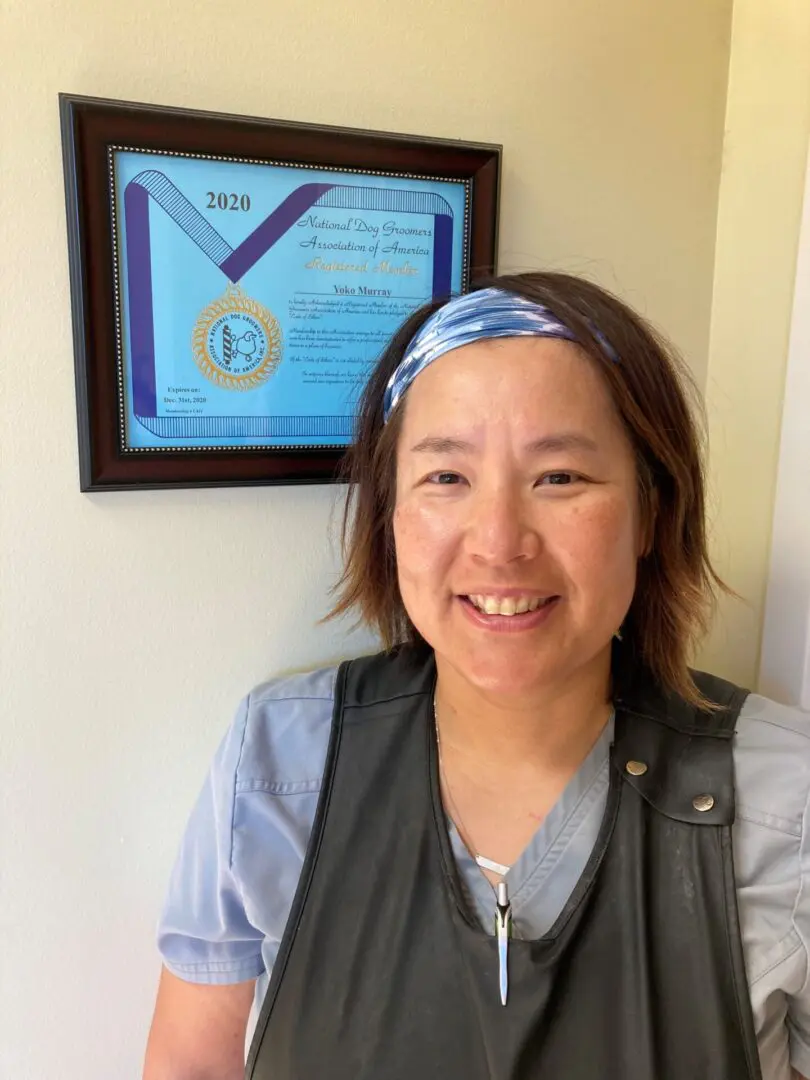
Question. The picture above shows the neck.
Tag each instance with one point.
(551, 730)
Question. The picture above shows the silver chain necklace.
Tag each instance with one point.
(481, 860)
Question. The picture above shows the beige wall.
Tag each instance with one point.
(767, 126)
(133, 622)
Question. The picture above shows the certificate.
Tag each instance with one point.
(253, 298)
(234, 280)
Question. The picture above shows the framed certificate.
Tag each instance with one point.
(234, 280)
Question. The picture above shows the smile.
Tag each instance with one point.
(508, 605)
(519, 613)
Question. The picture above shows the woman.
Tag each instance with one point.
(515, 845)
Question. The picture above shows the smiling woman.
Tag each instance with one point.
(526, 840)
(542, 506)
(618, 382)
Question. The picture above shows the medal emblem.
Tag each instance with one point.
(237, 342)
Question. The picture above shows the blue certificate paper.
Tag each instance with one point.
(253, 298)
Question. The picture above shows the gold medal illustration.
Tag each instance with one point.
(236, 341)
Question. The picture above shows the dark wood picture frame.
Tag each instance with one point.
(90, 126)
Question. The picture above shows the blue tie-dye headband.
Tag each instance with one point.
(475, 316)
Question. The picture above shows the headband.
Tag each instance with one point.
(475, 316)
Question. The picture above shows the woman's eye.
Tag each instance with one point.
(559, 478)
(444, 478)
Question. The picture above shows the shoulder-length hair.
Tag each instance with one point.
(658, 404)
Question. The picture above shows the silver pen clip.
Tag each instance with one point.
(503, 931)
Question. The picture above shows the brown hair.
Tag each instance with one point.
(657, 401)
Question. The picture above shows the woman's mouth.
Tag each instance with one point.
(508, 605)
(507, 613)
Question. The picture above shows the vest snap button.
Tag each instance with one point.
(703, 802)
(636, 768)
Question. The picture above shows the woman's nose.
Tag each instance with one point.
(501, 528)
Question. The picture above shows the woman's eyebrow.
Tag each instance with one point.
(438, 444)
(565, 440)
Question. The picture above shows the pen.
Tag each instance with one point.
(503, 930)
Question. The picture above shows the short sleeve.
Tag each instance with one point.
(798, 1003)
(204, 934)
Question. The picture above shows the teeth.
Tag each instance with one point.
(508, 605)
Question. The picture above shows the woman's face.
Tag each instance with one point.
(516, 490)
